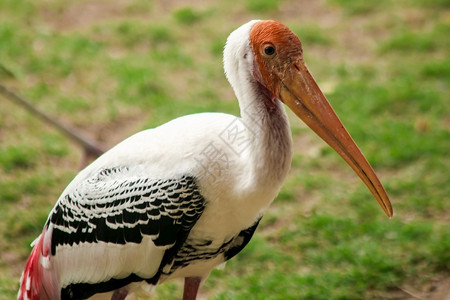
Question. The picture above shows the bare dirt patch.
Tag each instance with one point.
(82, 14)
(436, 290)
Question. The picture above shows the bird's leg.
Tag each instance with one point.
(191, 285)
(120, 294)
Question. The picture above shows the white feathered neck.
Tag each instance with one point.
(272, 147)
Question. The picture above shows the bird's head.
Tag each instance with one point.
(277, 51)
(276, 61)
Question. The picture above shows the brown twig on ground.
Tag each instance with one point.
(411, 293)
(91, 148)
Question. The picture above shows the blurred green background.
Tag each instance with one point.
(112, 68)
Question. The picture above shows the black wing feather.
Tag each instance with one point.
(115, 207)
(123, 210)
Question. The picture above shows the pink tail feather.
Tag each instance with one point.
(39, 281)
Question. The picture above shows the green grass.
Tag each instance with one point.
(114, 68)
(261, 6)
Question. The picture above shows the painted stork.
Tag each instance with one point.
(180, 199)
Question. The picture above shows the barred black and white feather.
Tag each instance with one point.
(114, 209)
(122, 210)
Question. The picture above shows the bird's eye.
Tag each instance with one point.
(269, 50)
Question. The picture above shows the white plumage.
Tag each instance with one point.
(179, 199)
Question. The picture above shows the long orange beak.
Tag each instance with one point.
(301, 93)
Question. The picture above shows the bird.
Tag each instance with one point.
(180, 199)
